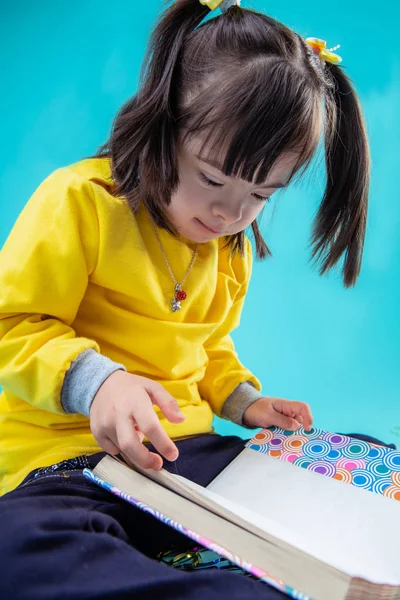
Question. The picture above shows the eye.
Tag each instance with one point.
(261, 198)
(209, 182)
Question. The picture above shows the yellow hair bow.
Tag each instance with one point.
(214, 4)
(319, 48)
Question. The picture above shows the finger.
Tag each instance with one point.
(298, 411)
(285, 422)
(283, 406)
(104, 441)
(140, 436)
(131, 446)
(307, 417)
(149, 423)
(301, 412)
(109, 447)
(140, 433)
(167, 403)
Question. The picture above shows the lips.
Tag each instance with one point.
(211, 229)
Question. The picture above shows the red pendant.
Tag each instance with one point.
(178, 297)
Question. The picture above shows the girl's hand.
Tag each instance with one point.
(286, 414)
(122, 414)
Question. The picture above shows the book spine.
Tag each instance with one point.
(237, 560)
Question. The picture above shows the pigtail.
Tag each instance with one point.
(339, 227)
(262, 250)
(143, 142)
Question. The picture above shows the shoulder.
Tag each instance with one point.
(74, 200)
(80, 176)
(82, 187)
(96, 171)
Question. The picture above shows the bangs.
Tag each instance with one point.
(244, 129)
(249, 90)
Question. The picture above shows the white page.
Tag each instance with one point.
(248, 515)
(282, 531)
(351, 529)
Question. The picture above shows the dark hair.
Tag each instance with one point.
(254, 90)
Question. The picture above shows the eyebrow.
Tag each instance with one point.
(217, 165)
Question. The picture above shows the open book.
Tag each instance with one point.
(309, 535)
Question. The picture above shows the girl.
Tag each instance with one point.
(123, 279)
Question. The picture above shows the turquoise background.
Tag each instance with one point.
(67, 67)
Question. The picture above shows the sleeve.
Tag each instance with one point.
(239, 401)
(44, 271)
(83, 380)
(225, 372)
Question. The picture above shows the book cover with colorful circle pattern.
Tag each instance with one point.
(373, 468)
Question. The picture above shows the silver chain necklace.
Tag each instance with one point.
(179, 293)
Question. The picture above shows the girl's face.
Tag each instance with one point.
(208, 204)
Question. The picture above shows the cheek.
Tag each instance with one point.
(188, 199)
(252, 211)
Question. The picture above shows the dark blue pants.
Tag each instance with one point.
(61, 537)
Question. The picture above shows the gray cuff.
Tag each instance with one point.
(239, 401)
(83, 380)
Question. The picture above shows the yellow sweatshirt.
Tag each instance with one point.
(80, 271)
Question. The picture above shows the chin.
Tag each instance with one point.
(198, 237)
(201, 239)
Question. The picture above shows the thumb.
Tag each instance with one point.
(284, 422)
(109, 447)
(167, 403)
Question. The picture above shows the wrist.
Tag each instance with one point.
(252, 415)
(243, 396)
(83, 380)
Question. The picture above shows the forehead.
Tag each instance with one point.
(281, 171)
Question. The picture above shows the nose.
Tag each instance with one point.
(229, 212)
